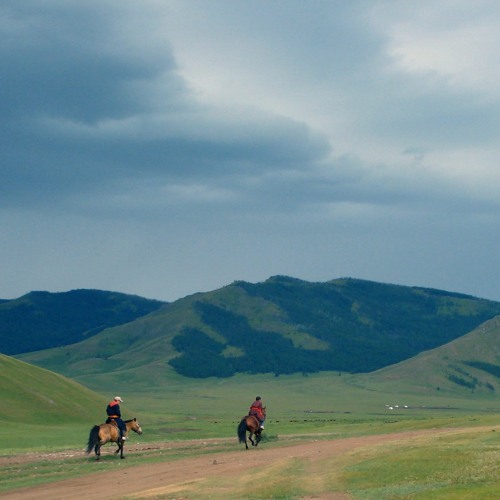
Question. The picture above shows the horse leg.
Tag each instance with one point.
(97, 450)
(119, 442)
(251, 440)
(257, 437)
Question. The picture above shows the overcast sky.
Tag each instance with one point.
(167, 147)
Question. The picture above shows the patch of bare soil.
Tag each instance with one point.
(148, 481)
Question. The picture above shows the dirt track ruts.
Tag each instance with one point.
(143, 481)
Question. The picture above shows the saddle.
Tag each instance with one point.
(112, 421)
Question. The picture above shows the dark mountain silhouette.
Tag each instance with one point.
(41, 320)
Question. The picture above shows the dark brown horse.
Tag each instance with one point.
(106, 433)
(252, 425)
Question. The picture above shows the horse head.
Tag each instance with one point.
(135, 426)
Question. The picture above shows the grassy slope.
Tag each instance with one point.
(33, 395)
(431, 370)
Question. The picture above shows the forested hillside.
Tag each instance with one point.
(281, 326)
(358, 326)
(41, 320)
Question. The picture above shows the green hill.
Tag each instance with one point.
(469, 364)
(32, 395)
(41, 320)
(280, 326)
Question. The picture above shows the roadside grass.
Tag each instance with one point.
(40, 472)
(282, 480)
(453, 466)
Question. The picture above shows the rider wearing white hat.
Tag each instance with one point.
(114, 414)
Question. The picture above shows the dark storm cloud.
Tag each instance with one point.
(64, 60)
(163, 148)
(76, 104)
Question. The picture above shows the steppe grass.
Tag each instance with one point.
(285, 479)
(457, 465)
(326, 402)
(188, 409)
(453, 466)
(322, 406)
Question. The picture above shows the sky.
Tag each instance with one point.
(167, 147)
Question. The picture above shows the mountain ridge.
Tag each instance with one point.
(282, 325)
(41, 320)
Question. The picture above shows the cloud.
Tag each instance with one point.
(456, 43)
(85, 109)
(253, 138)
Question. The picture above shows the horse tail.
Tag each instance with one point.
(93, 438)
(242, 430)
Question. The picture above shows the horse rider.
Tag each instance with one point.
(256, 410)
(114, 414)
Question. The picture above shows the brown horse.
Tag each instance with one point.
(252, 425)
(105, 433)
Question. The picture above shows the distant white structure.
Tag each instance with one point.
(389, 407)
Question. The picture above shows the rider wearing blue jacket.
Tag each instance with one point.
(114, 413)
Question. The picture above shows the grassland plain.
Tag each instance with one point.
(189, 419)
(427, 463)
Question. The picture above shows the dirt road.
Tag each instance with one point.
(167, 478)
